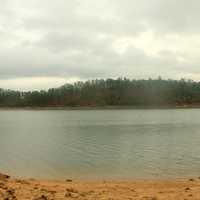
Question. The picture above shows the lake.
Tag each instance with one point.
(100, 144)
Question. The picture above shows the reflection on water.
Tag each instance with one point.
(112, 144)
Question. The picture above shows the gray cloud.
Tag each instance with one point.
(99, 39)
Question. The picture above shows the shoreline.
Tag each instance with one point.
(33, 189)
(101, 107)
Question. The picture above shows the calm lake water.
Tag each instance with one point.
(101, 144)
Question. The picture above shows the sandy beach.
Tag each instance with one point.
(24, 189)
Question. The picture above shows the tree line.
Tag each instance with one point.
(109, 92)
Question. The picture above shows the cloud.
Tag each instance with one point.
(71, 40)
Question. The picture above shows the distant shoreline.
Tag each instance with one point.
(99, 107)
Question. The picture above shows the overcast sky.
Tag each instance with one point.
(46, 43)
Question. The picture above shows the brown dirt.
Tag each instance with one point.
(21, 189)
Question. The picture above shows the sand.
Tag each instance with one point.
(24, 189)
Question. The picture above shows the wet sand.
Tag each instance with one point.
(24, 189)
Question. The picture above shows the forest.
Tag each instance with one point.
(108, 92)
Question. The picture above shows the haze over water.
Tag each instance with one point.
(100, 144)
